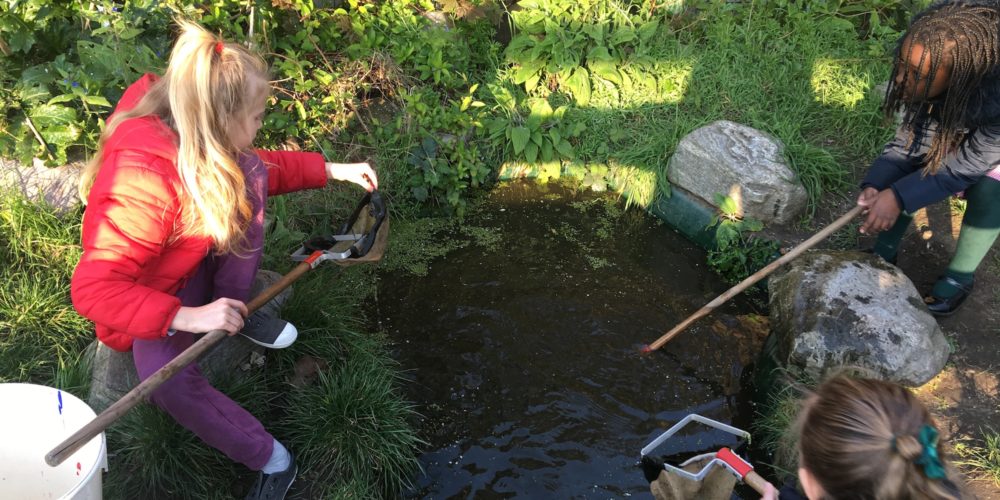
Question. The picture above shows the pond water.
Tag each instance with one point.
(523, 353)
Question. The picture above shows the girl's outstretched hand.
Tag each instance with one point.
(223, 314)
(358, 173)
(883, 209)
(769, 493)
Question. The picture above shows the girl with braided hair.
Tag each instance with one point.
(946, 82)
(862, 438)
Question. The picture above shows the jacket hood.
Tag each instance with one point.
(147, 134)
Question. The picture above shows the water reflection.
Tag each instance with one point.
(523, 356)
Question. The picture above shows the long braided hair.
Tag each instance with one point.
(965, 34)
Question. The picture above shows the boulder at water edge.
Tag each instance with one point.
(742, 163)
(832, 309)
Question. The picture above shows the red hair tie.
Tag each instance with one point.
(218, 48)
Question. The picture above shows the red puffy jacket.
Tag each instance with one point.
(134, 257)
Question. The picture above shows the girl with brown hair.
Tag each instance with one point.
(869, 439)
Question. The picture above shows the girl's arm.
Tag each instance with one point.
(900, 167)
(975, 157)
(129, 218)
(895, 162)
(289, 171)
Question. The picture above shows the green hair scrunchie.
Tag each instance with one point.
(928, 438)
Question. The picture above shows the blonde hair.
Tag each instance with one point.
(860, 438)
(208, 87)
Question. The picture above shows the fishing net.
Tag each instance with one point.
(362, 239)
(717, 485)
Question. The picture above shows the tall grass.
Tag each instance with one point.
(808, 81)
(42, 339)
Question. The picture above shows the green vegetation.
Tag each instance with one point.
(597, 91)
(983, 462)
(738, 252)
(600, 90)
(41, 336)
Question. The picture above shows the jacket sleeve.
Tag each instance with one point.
(902, 170)
(895, 162)
(129, 218)
(289, 171)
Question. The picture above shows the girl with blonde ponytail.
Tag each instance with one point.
(173, 233)
(869, 439)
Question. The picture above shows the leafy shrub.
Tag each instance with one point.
(738, 252)
(64, 64)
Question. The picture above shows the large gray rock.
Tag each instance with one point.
(835, 309)
(57, 186)
(740, 162)
(113, 373)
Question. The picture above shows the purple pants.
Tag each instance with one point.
(187, 396)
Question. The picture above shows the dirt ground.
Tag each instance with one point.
(965, 396)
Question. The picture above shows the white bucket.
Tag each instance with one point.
(35, 419)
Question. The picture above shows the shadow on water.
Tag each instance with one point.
(524, 356)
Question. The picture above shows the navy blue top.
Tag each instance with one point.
(900, 165)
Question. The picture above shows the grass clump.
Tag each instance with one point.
(150, 455)
(41, 336)
(983, 462)
(352, 423)
(774, 430)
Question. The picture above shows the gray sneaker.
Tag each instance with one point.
(269, 331)
(264, 327)
(273, 486)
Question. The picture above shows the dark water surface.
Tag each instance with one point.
(524, 355)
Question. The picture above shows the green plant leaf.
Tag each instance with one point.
(536, 137)
(97, 100)
(579, 84)
(621, 35)
(61, 98)
(727, 205)
(648, 29)
(48, 115)
(525, 72)
(565, 149)
(606, 70)
(599, 53)
(546, 150)
(130, 33)
(541, 108)
(520, 136)
(531, 152)
(532, 82)
(751, 224)
(595, 31)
